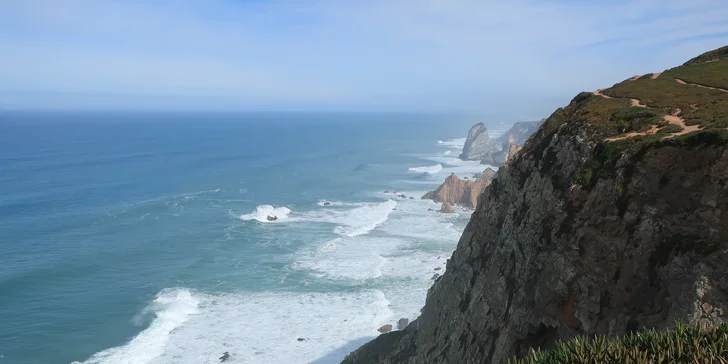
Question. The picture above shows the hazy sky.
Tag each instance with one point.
(520, 56)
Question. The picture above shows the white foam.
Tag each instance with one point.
(353, 222)
(325, 203)
(458, 143)
(427, 169)
(171, 309)
(262, 212)
(447, 152)
(265, 327)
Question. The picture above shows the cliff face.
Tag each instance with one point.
(519, 132)
(613, 217)
(479, 145)
(455, 191)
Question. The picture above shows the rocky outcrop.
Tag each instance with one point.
(479, 146)
(511, 151)
(519, 132)
(446, 208)
(488, 174)
(455, 191)
(402, 323)
(581, 236)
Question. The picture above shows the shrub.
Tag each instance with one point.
(694, 344)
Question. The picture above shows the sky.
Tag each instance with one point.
(515, 57)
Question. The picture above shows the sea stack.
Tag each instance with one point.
(479, 146)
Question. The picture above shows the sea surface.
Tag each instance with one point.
(144, 237)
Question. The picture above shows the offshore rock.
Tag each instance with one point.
(479, 145)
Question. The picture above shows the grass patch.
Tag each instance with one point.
(720, 53)
(693, 344)
(666, 95)
(711, 74)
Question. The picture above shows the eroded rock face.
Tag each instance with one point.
(479, 145)
(455, 191)
(519, 132)
(488, 174)
(511, 151)
(546, 257)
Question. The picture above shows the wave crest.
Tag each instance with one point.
(262, 212)
(427, 169)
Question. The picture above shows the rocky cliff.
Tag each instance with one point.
(519, 132)
(455, 191)
(479, 145)
(613, 217)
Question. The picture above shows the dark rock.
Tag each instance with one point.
(402, 323)
(435, 276)
(579, 236)
(225, 356)
(430, 209)
(411, 198)
(327, 203)
(272, 218)
(437, 268)
(300, 339)
(402, 196)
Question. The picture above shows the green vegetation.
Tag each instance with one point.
(602, 164)
(720, 53)
(711, 74)
(697, 105)
(682, 344)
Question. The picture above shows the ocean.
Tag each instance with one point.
(143, 237)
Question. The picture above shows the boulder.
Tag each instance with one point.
(385, 329)
(446, 208)
(272, 218)
(402, 323)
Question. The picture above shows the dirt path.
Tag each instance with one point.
(599, 93)
(703, 86)
(676, 119)
(637, 103)
(651, 131)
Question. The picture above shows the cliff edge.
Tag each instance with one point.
(613, 218)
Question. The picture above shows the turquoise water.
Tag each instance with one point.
(143, 237)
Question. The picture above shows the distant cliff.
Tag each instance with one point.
(613, 218)
(479, 146)
(519, 132)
